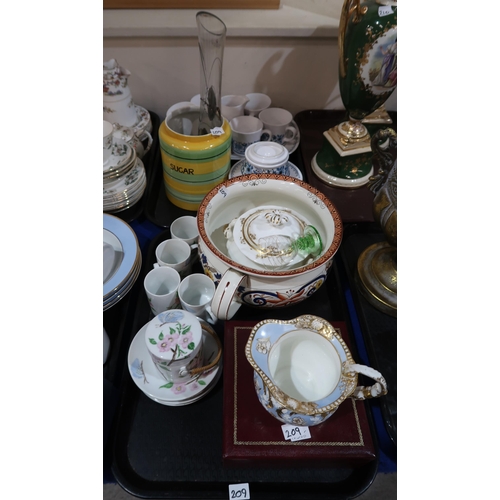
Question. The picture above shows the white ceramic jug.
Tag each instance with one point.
(303, 370)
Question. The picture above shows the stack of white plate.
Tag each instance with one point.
(122, 260)
(124, 178)
(152, 383)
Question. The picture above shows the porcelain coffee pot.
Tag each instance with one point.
(303, 370)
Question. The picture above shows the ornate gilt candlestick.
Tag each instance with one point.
(377, 275)
(367, 78)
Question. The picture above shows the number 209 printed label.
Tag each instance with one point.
(241, 491)
(295, 432)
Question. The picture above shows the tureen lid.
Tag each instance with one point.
(173, 334)
(260, 230)
(266, 154)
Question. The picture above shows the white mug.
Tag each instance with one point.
(279, 122)
(233, 106)
(257, 102)
(176, 254)
(161, 284)
(247, 130)
(185, 228)
(196, 292)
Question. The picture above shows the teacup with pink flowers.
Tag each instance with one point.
(174, 342)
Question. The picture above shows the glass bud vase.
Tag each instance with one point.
(211, 41)
(367, 78)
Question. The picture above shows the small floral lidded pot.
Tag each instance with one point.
(174, 341)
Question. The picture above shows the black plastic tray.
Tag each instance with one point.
(176, 452)
(379, 329)
(149, 159)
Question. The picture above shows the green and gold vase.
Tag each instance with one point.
(367, 78)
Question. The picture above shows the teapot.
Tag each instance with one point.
(303, 370)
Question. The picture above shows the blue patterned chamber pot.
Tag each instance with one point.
(237, 283)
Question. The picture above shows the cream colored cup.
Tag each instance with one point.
(233, 106)
(161, 284)
(279, 122)
(257, 102)
(176, 254)
(247, 130)
(185, 228)
(196, 292)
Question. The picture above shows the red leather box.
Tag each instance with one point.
(252, 436)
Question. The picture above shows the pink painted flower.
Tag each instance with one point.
(185, 340)
(168, 342)
(179, 388)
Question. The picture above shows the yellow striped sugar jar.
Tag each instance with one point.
(192, 164)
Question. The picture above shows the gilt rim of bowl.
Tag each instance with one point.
(252, 178)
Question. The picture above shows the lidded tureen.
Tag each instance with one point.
(272, 237)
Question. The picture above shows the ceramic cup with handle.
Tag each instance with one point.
(279, 122)
(161, 284)
(185, 228)
(233, 106)
(247, 130)
(176, 254)
(256, 103)
(196, 292)
(174, 340)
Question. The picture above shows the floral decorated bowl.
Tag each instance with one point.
(237, 283)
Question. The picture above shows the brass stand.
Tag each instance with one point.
(378, 277)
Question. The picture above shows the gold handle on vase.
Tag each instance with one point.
(349, 7)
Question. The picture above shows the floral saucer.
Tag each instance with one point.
(194, 398)
(143, 121)
(121, 155)
(236, 170)
(149, 380)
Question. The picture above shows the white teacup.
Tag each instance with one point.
(185, 228)
(278, 121)
(176, 254)
(196, 292)
(233, 106)
(257, 102)
(161, 284)
(247, 130)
